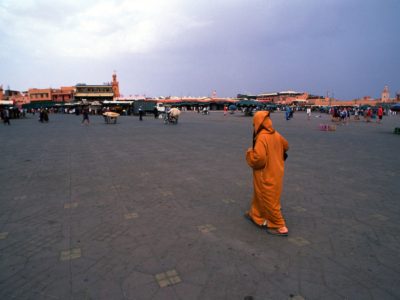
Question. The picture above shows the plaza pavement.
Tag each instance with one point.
(143, 210)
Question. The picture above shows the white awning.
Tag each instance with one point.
(94, 95)
(6, 102)
(117, 102)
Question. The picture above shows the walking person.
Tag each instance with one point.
(6, 116)
(155, 111)
(45, 115)
(41, 114)
(140, 113)
(288, 113)
(356, 112)
(85, 119)
(266, 158)
(380, 114)
(369, 115)
(308, 113)
(343, 115)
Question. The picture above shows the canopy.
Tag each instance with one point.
(120, 102)
(248, 103)
(395, 107)
(39, 104)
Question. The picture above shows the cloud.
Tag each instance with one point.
(192, 46)
(95, 29)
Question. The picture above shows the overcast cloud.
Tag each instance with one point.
(348, 48)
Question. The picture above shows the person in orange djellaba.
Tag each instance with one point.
(266, 158)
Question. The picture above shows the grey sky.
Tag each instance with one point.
(189, 48)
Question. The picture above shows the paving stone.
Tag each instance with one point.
(131, 215)
(380, 217)
(206, 228)
(297, 297)
(299, 241)
(228, 201)
(168, 278)
(299, 209)
(70, 254)
(167, 193)
(70, 205)
(339, 199)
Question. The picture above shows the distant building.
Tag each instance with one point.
(285, 97)
(104, 92)
(7, 94)
(40, 94)
(115, 86)
(90, 93)
(15, 97)
(385, 97)
(37, 98)
(63, 94)
(20, 99)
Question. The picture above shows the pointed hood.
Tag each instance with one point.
(261, 122)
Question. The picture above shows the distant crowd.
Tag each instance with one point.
(338, 114)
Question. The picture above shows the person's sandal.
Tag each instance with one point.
(247, 217)
(278, 231)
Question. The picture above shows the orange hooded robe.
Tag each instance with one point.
(266, 160)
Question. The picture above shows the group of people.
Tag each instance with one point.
(5, 116)
(369, 115)
(288, 113)
(43, 115)
(344, 114)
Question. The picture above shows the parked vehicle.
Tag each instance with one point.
(147, 106)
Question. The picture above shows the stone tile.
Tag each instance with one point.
(131, 215)
(70, 254)
(206, 228)
(188, 291)
(163, 282)
(228, 201)
(296, 297)
(167, 193)
(299, 209)
(380, 217)
(191, 178)
(240, 183)
(167, 278)
(70, 205)
(298, 241)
